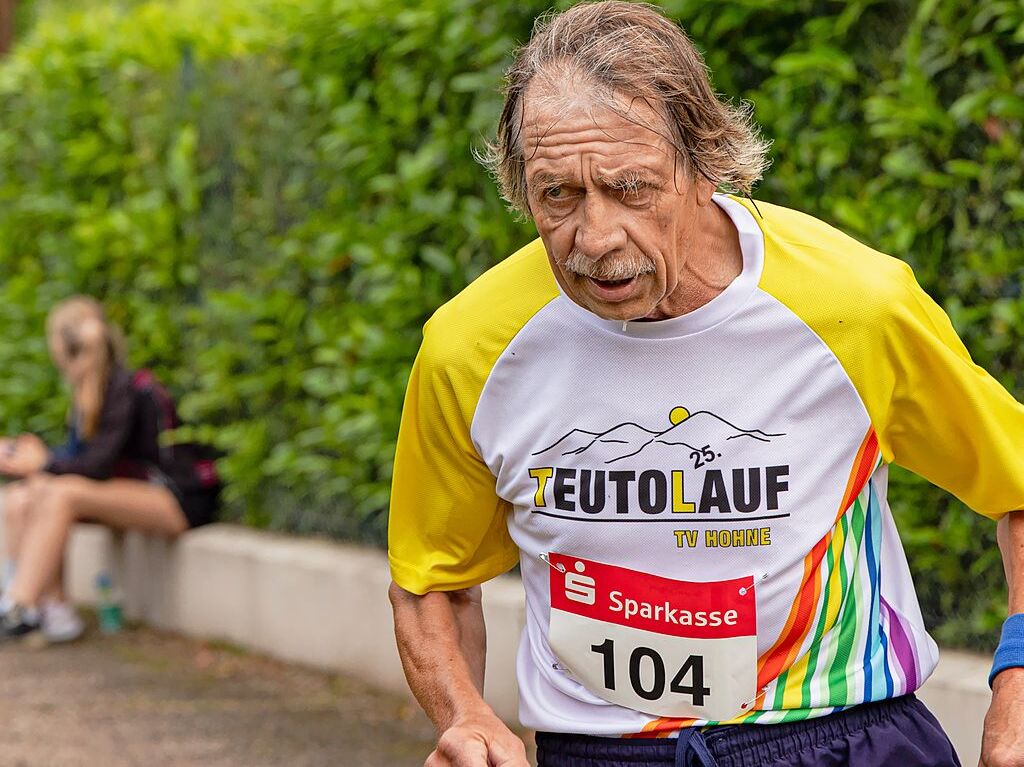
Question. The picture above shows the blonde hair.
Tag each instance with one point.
(79, 327)
(631, 49)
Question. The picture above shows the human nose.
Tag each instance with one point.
(600, 231)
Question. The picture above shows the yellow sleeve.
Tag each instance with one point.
(447, 527)
(935, 412)
(949, 420)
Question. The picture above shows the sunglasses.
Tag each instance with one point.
(72, 346)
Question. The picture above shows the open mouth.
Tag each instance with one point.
(612, 290)
(611, 284)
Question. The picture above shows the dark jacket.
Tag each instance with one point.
(126, 442)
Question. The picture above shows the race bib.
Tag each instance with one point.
(657, 645)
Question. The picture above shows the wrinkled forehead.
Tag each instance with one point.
(565, 113)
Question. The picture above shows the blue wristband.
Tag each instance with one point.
(1010, 653)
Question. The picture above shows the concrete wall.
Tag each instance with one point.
(325, 604)
(307, 601)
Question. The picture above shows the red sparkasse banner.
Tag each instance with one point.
(603, 592)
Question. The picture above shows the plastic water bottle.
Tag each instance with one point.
(108, 606)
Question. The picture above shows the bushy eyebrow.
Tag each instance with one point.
(547, 178)
(632, 180)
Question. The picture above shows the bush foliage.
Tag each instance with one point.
(272, 197)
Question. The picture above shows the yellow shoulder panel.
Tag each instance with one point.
(842, 289)
(470, 332)
(935, 411)
(447, 527)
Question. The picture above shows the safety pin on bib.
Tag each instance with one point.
(745, 706)
(549, 563)
(745, 589)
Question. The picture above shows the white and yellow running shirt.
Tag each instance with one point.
(698, 504)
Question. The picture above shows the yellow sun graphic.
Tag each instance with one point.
(678, 415)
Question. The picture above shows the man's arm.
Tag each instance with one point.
(1003, 741)
(1010, 535)
(442, 642)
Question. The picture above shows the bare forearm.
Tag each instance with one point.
(442, 643)
(1003, 739)
(1010, 534)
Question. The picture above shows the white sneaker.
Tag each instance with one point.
(61, 622)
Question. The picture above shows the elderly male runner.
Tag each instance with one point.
(676, 411)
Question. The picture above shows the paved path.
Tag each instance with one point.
(153, 700)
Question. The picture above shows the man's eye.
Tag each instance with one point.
(634, 193)
(555, 192)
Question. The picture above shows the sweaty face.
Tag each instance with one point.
(611, 203)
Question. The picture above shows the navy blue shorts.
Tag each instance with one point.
(891, 733)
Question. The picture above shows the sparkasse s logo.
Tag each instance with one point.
(579, 587)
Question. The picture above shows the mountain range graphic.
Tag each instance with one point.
(695, 432)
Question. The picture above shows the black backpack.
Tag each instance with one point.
(198, 460)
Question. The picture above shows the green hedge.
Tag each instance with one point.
(273, 196)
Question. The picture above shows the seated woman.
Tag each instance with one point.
(112, 471)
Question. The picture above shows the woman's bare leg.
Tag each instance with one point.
(124, 504)
(16, 510)
(17, 518)
(54, 590)
(19, 501)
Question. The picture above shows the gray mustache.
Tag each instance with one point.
(608, 268)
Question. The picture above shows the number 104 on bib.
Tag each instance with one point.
(653, 644)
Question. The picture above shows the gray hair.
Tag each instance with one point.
(631, 49)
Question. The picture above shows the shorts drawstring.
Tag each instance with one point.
(692, 751)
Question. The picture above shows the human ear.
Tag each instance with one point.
(705, 188)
